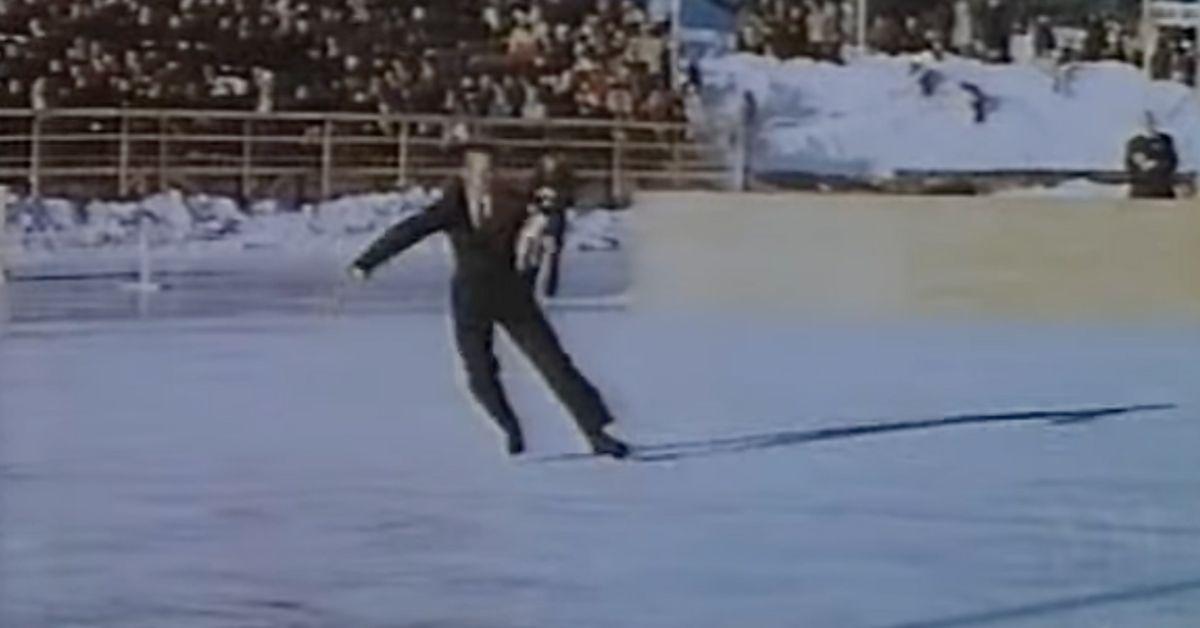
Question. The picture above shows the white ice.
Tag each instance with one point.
(240, 451)
(316, 470)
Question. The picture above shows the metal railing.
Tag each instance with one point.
(123, 152)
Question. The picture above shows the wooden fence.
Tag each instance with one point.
(124, 152)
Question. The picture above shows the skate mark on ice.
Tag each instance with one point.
(15, 473)
(665, 452)
(1063, 605)
(127, 275)
(580, 455)
(602, 303)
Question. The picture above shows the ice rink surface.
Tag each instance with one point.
(234, 453)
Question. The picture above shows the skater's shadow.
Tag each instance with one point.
(715, 446)
(1058, 606)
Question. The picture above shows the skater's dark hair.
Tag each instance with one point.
(461, 140)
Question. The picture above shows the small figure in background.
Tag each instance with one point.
(540, 245)
(1151, 161)
(1044, 40)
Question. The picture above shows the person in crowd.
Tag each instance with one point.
(997, 31)
(553, 192)
(962, 38)
(1044, 40)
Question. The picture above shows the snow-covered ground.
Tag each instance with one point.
(1070, 189)
(66, 259)
(235, 465)
(871, 117)
(205, 233)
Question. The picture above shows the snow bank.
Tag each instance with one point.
(1072, 189)
(202, 225)
(173, 219)
(877, 115)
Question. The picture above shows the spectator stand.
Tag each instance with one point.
(529, 59)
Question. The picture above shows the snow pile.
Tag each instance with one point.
(1072, 189)
(174, 219)
(204, 224)
(877, 115)
(366, 213)
(595, 230)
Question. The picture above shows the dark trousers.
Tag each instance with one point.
(511, 306)
(551, 260)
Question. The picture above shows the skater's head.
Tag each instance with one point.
(477, 163)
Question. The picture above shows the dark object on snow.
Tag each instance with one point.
(928, 79)
(1151, 161)
(981, 103)
(488, 291)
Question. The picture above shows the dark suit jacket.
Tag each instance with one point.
(483, 256)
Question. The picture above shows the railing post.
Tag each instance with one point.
(402, 156)
(162, 153)
(615, 190)
(326, 158)
(247, 158)
(35, 155)
(123, 157)
(737, 145)
(676, 168)
(3, 273)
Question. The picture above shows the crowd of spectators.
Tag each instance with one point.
(517, 58)
(530, 59)
(984, 29)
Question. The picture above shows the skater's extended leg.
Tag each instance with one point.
(533, 335)
(474, 338)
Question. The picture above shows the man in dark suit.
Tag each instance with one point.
(482, 218)
(553, 193)
(1151, 161)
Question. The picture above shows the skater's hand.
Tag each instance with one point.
(356, 273)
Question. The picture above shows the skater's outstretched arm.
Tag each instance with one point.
(401, 236)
